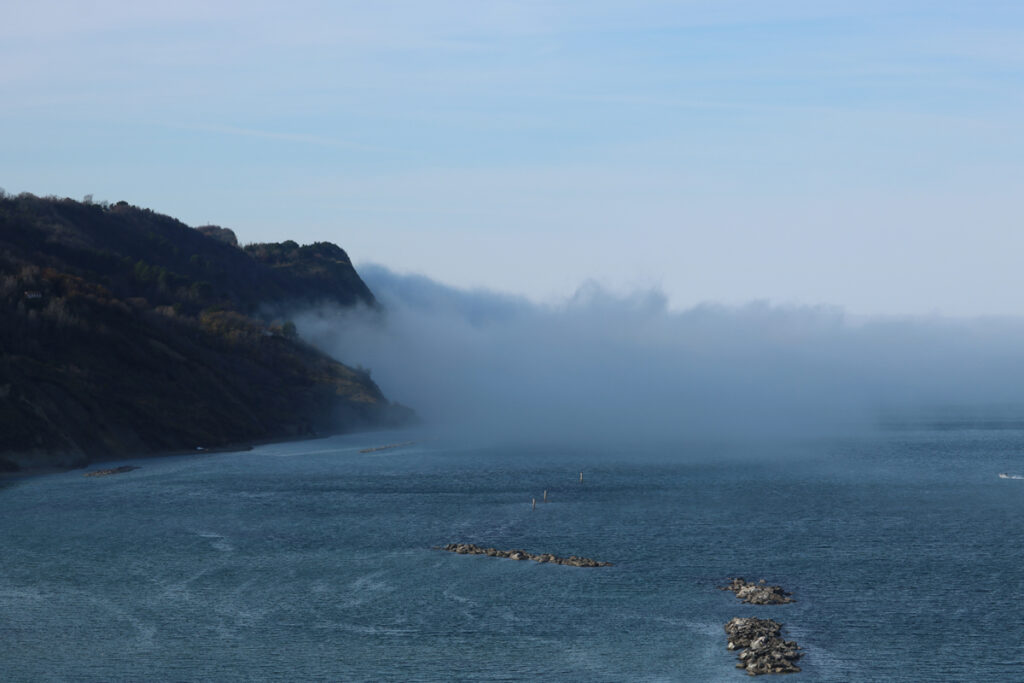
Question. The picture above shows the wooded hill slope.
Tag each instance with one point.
(126, 332)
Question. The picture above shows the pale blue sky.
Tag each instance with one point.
(865, 154)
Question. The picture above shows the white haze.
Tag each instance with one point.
(605, 366)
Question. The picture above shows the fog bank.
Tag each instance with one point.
(605, 365)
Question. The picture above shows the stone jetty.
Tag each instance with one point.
(114, 470)
(758, 593)
(572, 560)
(763, 649)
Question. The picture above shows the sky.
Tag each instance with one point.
(866, 155)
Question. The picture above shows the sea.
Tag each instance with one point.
(316, 560)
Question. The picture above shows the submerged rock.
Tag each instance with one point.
(757, 593)
(387, 447)
(115, 470)
(763, 649)
(572, 560)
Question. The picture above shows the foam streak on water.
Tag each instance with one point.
(313, 561)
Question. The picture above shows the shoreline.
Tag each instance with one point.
(235, 447)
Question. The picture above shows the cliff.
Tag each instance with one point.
(126, 332)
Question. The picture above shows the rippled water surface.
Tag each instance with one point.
(312, 560)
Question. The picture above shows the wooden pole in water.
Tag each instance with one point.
(581, 477)
(545, 495)
(534, 504)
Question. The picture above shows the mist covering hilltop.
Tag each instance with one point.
(127, 332)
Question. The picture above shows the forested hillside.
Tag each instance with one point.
(124, 332)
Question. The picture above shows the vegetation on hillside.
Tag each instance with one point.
(125, 331)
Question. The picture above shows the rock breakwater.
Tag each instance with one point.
(764, 651)
(572, 560)
(758, 593)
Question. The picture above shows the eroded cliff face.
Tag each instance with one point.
(126, 332)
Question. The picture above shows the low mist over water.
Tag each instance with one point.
(602, 363)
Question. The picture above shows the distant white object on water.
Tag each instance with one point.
(1004, 475)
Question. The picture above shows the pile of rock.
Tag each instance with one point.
(115, 470)
(572, 560)
(758, 593)
(764, 651)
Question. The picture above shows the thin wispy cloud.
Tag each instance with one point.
(276, 135)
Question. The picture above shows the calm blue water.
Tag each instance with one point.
(312, 561)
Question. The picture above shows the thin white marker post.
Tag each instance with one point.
(545, 495)
(581, 477)
(534, 504)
